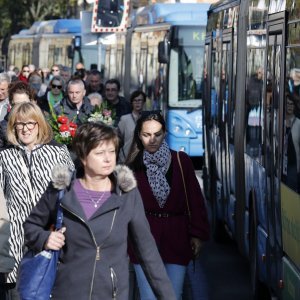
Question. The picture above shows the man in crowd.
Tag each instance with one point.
(76, 106)
(65, 73)
(80, 71)
(4, 103)
(94, 82)
(114, 101)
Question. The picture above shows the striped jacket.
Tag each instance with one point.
(24, 178)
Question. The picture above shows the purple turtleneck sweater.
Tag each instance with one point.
(90, 200)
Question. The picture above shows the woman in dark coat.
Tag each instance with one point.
(157, 170)
(101, 210)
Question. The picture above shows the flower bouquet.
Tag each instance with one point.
(102, 114)
(63, 129)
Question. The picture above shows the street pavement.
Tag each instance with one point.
(227, 272)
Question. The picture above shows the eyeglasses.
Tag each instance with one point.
(21, 125)
(56, 86)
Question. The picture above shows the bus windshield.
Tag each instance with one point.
(186, 67)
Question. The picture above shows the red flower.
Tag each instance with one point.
(63, 128)
(73, 125)
(62, 119)
(72, 131)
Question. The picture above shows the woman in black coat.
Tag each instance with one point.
(101, 210)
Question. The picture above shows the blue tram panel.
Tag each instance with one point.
(184, 61)
(185, 131)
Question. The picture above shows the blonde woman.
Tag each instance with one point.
(25, 172)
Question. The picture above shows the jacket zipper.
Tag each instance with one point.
(98, 248)
(114, 281)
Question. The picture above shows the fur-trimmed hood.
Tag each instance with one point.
(62, 176)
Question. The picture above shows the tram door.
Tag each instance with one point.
(225, 97)
(274, 91)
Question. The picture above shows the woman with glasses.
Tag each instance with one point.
(174, 206)
(53, 95)
(127, 123)
(18, 92)
(25, 171)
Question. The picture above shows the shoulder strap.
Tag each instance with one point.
(59, 216)
(184, 186)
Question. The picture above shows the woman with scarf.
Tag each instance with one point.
(178, 223)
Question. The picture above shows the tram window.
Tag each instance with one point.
(291, 145)
(294, 9)
(254, 106)
(214, 89)
(293, 33)
(257, 14)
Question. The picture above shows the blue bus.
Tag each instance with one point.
(252, 137)
(160, 51)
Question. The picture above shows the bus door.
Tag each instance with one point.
(274, 93)
(206, 115)
(225, 97)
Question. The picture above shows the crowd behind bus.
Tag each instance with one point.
(29, 151)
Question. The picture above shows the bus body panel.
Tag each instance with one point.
(258, 169)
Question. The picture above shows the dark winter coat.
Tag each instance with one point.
(94, 261)
(78, 116)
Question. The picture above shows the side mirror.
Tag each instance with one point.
(163, 52)
(77, 42)
(70, 51)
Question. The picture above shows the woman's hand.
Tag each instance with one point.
(196, 245)
(56, 240)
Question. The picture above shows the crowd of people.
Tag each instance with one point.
(127, 195)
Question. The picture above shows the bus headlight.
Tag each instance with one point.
(181, 129)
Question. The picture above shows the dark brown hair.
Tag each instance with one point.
(134, 158)
(89, 135)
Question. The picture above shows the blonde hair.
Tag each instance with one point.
(23, 112)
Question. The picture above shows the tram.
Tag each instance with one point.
(161, 52)
(251, 135)
(44, 43)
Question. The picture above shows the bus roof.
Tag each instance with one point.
(172, 13)
(53, 26)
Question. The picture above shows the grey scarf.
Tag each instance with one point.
(157, 165)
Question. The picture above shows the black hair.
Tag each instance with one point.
(114, 81)
(136, 94)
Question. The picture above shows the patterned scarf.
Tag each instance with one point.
(157, 165)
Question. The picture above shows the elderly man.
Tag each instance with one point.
(4, 103)
(115, 102)
(76, 106)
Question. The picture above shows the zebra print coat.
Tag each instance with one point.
(24, 178)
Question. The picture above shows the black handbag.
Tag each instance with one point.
(37, 272)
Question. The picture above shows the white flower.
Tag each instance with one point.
(65, 134)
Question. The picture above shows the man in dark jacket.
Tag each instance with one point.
(75, 106)
(115, 102)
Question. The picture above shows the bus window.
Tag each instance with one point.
(254, 107)
(291, 145)
(214, 88)
(186, 67)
